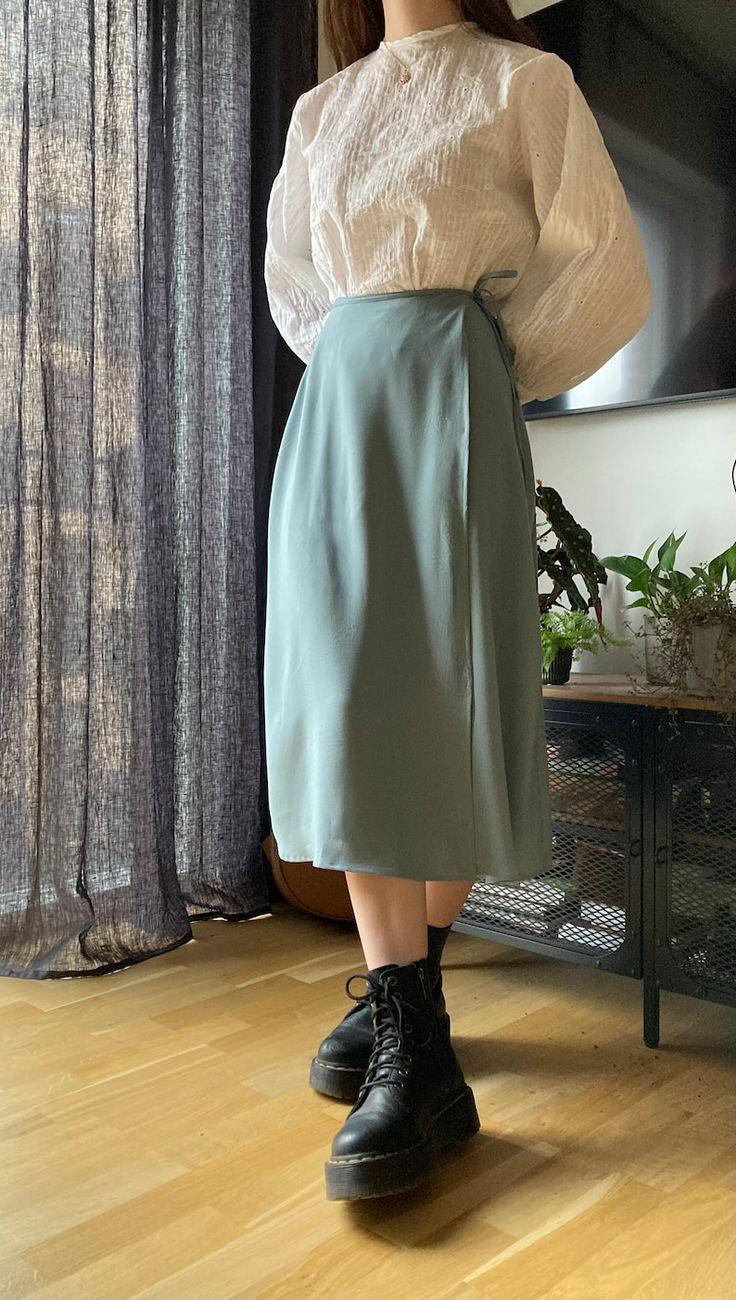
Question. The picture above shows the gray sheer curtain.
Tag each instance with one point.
(139, 430)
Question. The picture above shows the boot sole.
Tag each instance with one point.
(340, 1081)
(398, 1171)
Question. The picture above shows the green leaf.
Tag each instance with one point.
(668, 551)
(716, 567)
(642, 581)
(724, 565)
(628, 565)
(666, 545)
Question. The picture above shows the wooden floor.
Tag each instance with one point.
(158, 1137)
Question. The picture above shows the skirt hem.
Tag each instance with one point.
(401, 873)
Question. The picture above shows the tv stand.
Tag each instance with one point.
(644, 834)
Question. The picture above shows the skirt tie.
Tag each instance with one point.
(488, 302)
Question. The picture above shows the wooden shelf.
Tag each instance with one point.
(620, 689)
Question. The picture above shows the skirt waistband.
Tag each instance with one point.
(486, 300)
(475, 292)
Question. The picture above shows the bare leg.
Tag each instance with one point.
(391, 915)
(445, 899)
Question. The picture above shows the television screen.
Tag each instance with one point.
(660, 79)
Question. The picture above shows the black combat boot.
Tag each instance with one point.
(413, 1102)
(339, 1067)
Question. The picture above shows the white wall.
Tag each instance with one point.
(635, 474)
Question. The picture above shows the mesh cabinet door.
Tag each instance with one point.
(695, 857)
(588, 907)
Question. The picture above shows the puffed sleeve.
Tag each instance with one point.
(585, 290)
(298, 298)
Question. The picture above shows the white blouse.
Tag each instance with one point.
(488, 157)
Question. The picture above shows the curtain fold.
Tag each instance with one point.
(138, 435)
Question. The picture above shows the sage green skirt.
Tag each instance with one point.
(404, 721)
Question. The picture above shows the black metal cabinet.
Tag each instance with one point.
(644, 845)
(691, 897)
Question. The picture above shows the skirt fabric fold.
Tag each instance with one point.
(402, 663)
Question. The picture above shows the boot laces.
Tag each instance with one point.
(394, 1036)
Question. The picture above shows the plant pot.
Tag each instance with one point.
(713, 668)
(559, 670)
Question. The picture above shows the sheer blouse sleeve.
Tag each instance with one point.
(298, 298)
(585, 290)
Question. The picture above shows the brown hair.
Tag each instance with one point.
(353, 28)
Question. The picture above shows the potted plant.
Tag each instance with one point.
(711, 611)
(576, 575)
(565, 634)
(689, 618)
(662, 589)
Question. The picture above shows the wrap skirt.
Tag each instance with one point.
(403, 707)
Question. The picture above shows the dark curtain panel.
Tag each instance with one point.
(139, 428)
(284, 58)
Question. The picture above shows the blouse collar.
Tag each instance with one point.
(426, 34)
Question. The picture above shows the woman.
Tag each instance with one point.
(447, 238)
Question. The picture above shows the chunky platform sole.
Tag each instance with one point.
(340, 1081)
(398, 1171)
